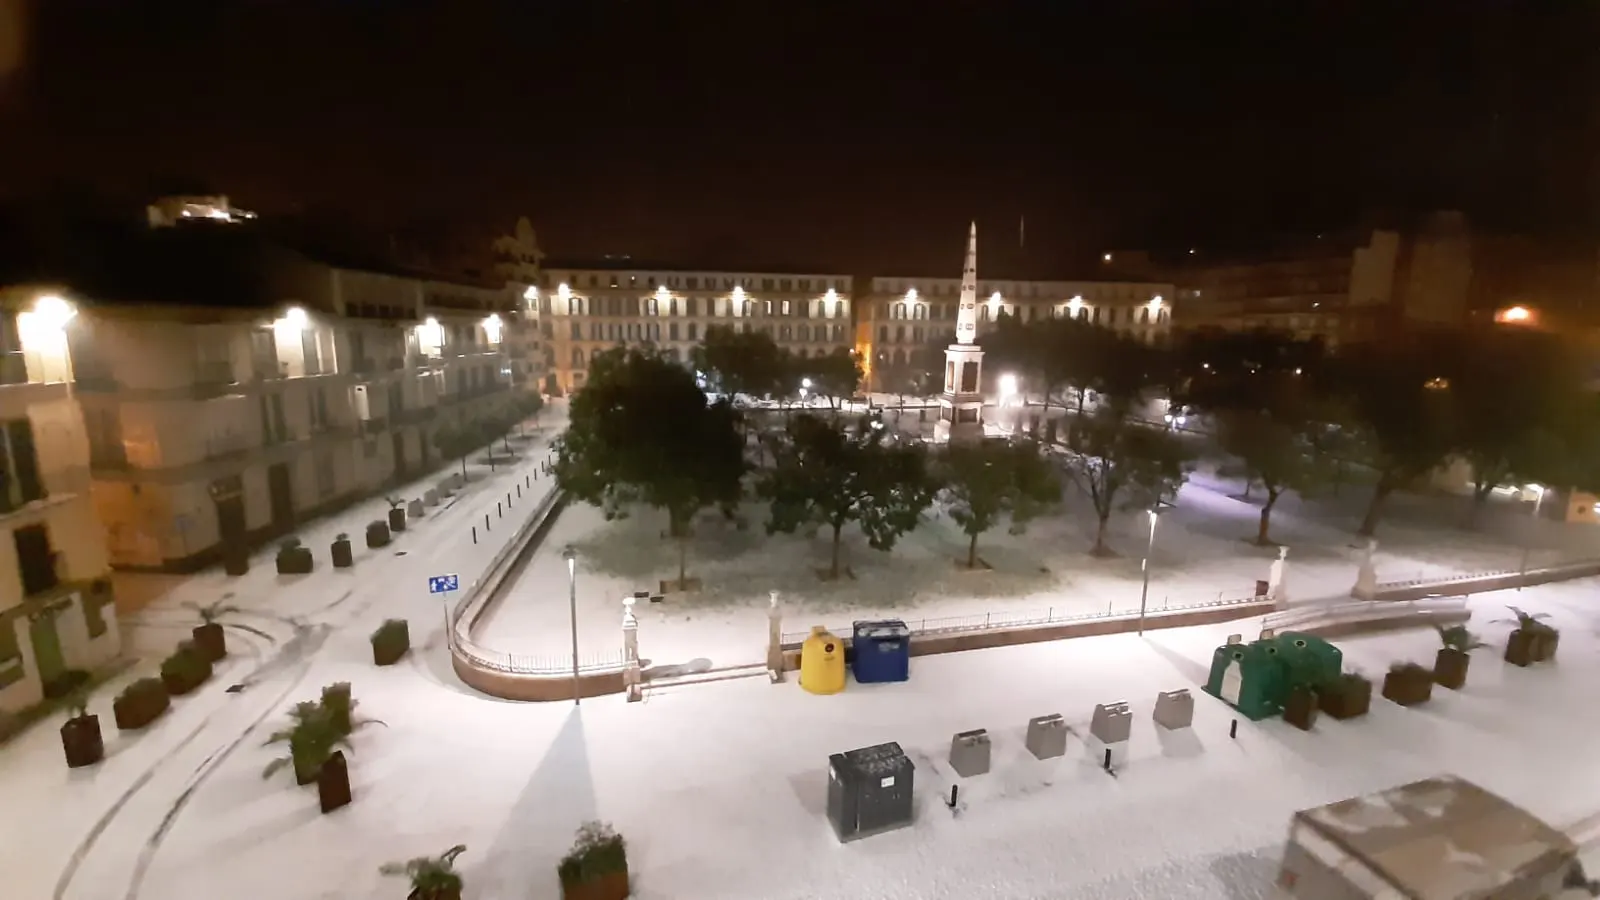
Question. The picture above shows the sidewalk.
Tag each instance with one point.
(99, 832)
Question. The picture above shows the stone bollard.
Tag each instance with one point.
(414, 509)
(1047, 736)
(430, 497)
(969, 752)
(1112, 722)
(775, 661)
(1174, 709)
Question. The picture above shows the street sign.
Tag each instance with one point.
(443, 584)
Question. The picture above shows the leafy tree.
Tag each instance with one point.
(1399, 393)
(642, 431)
(1277, 454)
(828, 475)
(1112, 458)
(455, 441)
(835, 376)
(741, 362)
(990, 480)
(920, 374)
(1509, 396)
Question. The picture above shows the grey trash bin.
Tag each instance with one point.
(870, 791)
(969, 752)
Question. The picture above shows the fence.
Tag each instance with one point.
(990, 621)
(536, 664)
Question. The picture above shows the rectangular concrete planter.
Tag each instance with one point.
(81, 740)
(612, 886)
(1408, 686)
(397, 519)
(210, 641)
(1301, 709)
(1450, 668)
(140, 703)
(1346, 699)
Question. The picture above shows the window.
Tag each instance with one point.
(577, 331)
(883, 334)
(10, 654)
(785, 308)
(691, 306)
(36, 561)
(766, 284)
(692, 282)
(672, 331)
(325, 483)
(694, 331)
(19, 466)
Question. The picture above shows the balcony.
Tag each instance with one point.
(223, 446)
(213, 378)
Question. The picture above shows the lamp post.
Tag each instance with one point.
(1527, 545)
(571, 556)
(1149, 549)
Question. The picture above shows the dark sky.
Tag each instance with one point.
(864, 134)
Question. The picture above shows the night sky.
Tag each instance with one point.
(861, 136)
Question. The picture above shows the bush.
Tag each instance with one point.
(597, 852)
(390, 641)
(185, 670)
(140, 703)
(340, 706)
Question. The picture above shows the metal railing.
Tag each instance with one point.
(990, 621)
(1361, 611)
(537, 664)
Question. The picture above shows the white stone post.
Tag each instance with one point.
(1277, 591)
(1367, 576)
(774, 638)
(630, 651)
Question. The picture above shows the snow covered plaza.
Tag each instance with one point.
(719, 787)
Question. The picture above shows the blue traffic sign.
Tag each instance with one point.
(443, 584)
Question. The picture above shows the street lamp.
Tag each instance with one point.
(1527, 545)
(571, 556)
(1149, 551)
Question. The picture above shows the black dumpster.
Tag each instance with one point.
(869, 791)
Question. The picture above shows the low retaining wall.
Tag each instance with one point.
(481, 596)
(1033, 634)
(1369, 616)
(1483, 582)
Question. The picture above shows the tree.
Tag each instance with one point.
(740, 362)
(829, 475)
(1277, 454)
(835, 376)
(642, 431)
(1111, 458)
(919, 373)
(456, 442)
(1507, 404)
(1399, 393)
(993, 479)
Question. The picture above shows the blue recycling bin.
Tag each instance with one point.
(880, 650)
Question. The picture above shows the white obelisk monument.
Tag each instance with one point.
(961, 404)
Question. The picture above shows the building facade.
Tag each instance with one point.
(56, 612)
(584, 311)
(224, 406)
(902, 315)
(528, 352)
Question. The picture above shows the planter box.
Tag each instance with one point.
(1526, 647)
(388, 648)
(236, 561)
(607, 887)
(295, 561)
(80, 738)
(180, 681)
(445, 894)
(343, 557)
(377, 535)
(333, 783)
(397, 519)
(1301, 709)
(211, 642)
(140, 705)
(1450, 668)
(1408, 687)
(1347, 700)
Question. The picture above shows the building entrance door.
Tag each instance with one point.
(280, 493)
(398, 438)
(47, 656)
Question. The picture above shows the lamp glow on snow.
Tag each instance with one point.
(1008, 389)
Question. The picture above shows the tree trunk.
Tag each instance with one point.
(1248, 484)
(1266, 517)
(1100, 534)
(833, 568)
(1380, 493)
(972, 551)
(683, 560)
(463, 468)
(1480, 499)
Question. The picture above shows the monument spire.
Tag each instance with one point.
(967, 314)
(961, 404)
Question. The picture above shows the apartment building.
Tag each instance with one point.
(902, 315)
(232, 388)
(586, 309)
(1355, 285)
(517, 261)
(55, 593)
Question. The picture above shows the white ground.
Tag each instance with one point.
(164, 814)
(1201, 554)
(719, 787)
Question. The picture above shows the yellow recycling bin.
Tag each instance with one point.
(822, 662)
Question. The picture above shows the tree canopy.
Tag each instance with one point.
(986, 482)
(642, 431)
(829, 475)
(1123, 464)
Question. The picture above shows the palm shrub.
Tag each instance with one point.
(432, 877)
(341, 708)
(209, 638)
(186, 669)
(597, 853)
(1532, 641)
(312, 737)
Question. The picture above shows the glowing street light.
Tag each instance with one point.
(1074, 306)
(532, 293)
(1516, 315)
(492, 328)
(1008, 388)
(50, 311)
(294, 318)
(1105, 257)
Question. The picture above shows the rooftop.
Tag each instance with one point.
(1442, 837)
